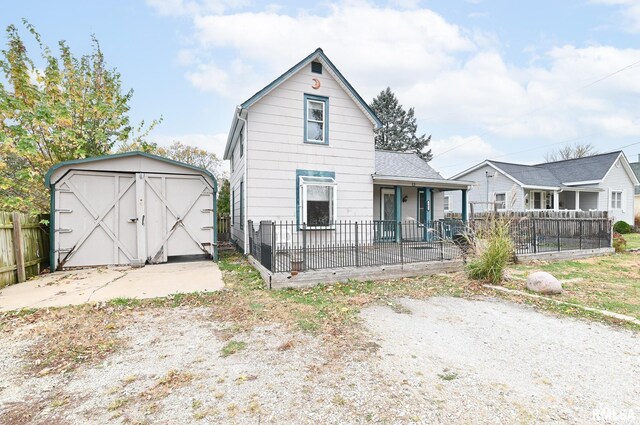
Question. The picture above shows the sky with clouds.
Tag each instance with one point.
(501, 79)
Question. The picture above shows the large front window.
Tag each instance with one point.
(318, 201)
(316, 119)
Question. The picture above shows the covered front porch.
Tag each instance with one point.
(561, 199)
(416, 201)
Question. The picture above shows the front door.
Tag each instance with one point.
(388, 214)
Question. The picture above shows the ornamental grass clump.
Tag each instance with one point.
(493, 249)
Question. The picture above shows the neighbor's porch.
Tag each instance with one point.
(574, 199)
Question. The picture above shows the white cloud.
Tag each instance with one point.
(472, 150)
(628, 14)
(452, 75)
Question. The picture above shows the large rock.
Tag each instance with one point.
(543, 283)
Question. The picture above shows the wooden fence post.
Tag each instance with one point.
(18, 248)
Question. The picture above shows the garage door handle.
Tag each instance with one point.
(143, 220)
(133, 220)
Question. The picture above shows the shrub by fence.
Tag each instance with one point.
(24, 247)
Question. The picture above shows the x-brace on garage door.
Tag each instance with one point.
(131, 218)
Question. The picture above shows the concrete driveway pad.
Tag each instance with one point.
(106, 283)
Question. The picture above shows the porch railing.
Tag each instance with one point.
(288, 246)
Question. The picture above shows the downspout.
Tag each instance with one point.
(52, 228)
(245, 148)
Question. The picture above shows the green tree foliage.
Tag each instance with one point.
(224, 198)
(62, 107)
(179, 152)
(398, 132)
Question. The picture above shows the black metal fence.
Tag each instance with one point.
(532, 236)
(287, 246)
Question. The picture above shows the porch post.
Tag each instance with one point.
(465, 214)
(556, 200)
(398, 211)
(577, 201)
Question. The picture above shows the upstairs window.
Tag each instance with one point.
(241, 143)
(315, 117)
(316, 67)
(318, 206)
(616, 200)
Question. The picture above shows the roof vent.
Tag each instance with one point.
(316, 67)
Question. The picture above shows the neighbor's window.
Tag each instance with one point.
(447, 204)
(241, 143)
(318, 206)
(316, 124)
(616, 200)
(501, 201)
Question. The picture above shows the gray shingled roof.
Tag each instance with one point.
(404, 164)
(557, 173)
(635, 166)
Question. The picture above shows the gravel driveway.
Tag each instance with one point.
(443, 360)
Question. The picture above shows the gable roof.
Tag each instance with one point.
(404, 164)
(635, 166)
(568, 172)
(318, 54)
(141, 154)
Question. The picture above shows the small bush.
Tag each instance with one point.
(622, 227)
(619, 242)
(494, 250)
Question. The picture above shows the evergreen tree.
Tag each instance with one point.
(398, 132)
(224, 197)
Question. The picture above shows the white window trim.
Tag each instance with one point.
(306, 181)
(612, 197)
(323, 122)
(446, 203)
(495, 200)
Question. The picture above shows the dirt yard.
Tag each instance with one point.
(441, 360)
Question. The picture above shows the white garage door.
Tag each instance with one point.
(131, 218)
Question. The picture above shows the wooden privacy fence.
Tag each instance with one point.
(224, 228)
(24, 246)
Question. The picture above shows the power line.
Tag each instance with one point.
(530, 149)
(609, 75)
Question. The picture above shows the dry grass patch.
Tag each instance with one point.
(608, 283)
(164, 386)
(67, 337)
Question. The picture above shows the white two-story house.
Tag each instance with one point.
(302, 150)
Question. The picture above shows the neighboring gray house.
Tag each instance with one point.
(602, 182)
(302, 150)
(635, 166)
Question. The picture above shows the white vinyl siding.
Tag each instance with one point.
(236, 179)
(499, 183)
(617, 181)
(276, 150)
